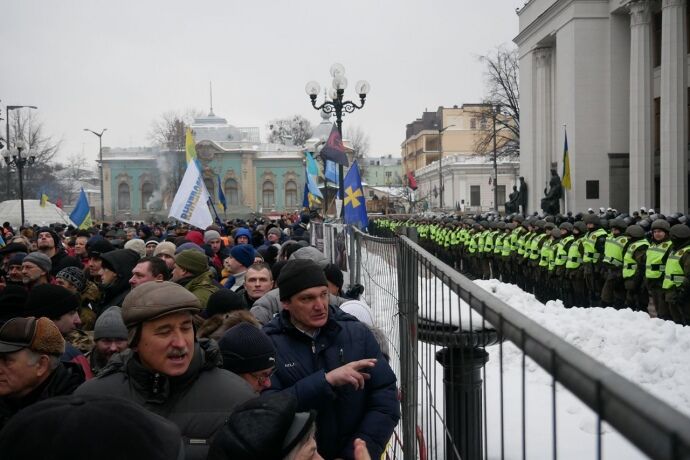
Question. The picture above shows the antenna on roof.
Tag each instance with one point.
(210, 89)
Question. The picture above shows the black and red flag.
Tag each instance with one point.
(334, 150)
(411, 181)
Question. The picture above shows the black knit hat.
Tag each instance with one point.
(224, 301)
(50, 300)
(245, 348)
(334, 275)
(120, 429)
(265, 428)
(298, 275)
(12, 300)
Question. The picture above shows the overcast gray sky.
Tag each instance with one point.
(121, 64)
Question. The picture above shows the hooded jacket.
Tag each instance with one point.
(344, 413)
(243, 232)
(201, 286)
(198, 401)
(64, 379)
(121, 261)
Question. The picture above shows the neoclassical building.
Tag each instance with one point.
(256, 177)
(614, 72)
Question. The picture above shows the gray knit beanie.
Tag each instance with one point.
(110, 325)
(137, 245)
(41, 260)
(210, 235)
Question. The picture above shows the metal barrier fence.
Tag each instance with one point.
(468, 367)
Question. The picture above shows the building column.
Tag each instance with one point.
(641, 192)
(674, 104)
(543, 132)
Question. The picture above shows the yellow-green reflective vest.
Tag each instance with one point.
(654, 261)
(473, 244)
(498, 243)
(545, 253)
(673, 275)
(629, 262)
(561, 256)
(534, 246)
(482, 240)
(508, 244)
(590, 254)
(613, 250)
(575, 251)
(527, 245)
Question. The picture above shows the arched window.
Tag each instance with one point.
(268, 195)
(123, 196)
(211, 189)
(232, 193)
(146, 194)
(290, 194)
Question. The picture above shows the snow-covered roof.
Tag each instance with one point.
(34, 213)
(390, 191)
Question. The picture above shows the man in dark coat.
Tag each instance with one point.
(115, 273)
(49, 243)
(167, 371)
(30, 367)
(332, 364)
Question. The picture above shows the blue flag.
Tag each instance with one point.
(355, 211)
(81, 216)
(331, 173)
(221, 196)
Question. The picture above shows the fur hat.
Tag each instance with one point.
(39, 259)
(298, 275)
(192, 261)
(38, 335)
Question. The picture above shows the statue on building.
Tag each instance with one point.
(522, 196)
(550, 204)
(512, 206)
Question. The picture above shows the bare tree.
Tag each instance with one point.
(501, 74)
(169, 130)
(359, 142)
(27, 127)
(295, 130)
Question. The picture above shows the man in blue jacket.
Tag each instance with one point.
(332, 364)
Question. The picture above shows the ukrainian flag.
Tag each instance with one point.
(44, 199)
(222, 203)
(81, 215)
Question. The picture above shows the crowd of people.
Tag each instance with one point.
(165, 342)
(639, 261)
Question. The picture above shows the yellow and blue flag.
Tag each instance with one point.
(355, 211)
(189, 146)
(221, 196)
(44, 199)
(81, 216)
(311, 173)
(566, 165)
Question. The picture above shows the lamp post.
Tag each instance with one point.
(100, 165)
(495, 110)
(14, 158)
(7, 136)
(440, 161)
(337, 105)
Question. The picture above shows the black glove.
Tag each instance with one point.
(354, 292)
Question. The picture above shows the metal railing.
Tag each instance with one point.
(466, 362)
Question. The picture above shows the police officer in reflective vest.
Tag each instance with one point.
(655, 266)
(676, 283)
(636, 295)
(593, 245)
(613, 291)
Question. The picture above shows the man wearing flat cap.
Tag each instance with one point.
(30, 367)
(331, 363)
(167, 370)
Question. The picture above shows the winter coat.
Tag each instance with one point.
(269, 304)
(122, 261)
(64, 379)
(202, 287)
(344, 413)
(198, 401)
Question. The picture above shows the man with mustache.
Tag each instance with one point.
(167, 370)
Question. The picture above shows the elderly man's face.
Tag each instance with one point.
(20, 373)
(167, 344)
(258, 282)
(31, 272)
(80, 246)
(14, 272)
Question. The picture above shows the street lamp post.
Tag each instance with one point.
(337, 105)
(14, 158)
(495, 110)
(7, 135)
(100, 165)
(440, 161)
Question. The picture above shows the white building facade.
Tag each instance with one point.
(614, 73)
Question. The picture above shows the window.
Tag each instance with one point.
(501, 198)
(592, 189)
(123, 196)
(208, 181)
(475, 195)
(146, 194)
(268, 195)
(473, 123)
(290, 194)
(432, 143)
(232, 194)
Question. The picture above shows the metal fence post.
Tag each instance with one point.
(407, 308)
(352, 256)
(358, 258)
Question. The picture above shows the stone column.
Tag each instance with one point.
(641, 148)
(543, 116)
(674, 102)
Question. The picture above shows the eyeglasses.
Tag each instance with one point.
(263, 376)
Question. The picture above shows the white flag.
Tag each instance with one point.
(190, 200)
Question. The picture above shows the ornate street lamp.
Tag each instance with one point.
(7, 133)
(337, 105)
(100, 165)
(13, 157)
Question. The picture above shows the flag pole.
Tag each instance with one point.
(565, 192)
